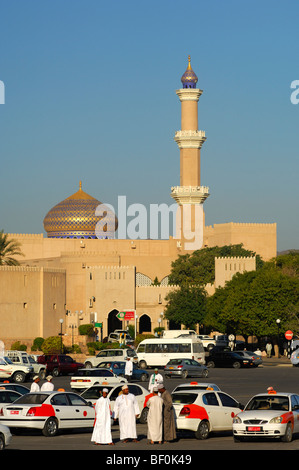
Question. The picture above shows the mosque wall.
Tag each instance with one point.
(260, 238)
(32, 300)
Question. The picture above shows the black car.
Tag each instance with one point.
(226, 358)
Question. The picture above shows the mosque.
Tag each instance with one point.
(82, 273)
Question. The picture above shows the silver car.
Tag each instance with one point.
(185, 368)
(257, 358)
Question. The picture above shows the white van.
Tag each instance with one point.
(158, 352)
(177, 333)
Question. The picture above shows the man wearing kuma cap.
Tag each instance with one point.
(126, 409)
(102, 426)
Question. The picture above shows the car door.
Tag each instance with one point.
(228, 409)
(212, 407)
(195, 368)
(295, 410)
(63, 411)
(84, 413)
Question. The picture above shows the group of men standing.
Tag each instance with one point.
(160, 421)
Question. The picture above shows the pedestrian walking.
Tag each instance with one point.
(102, 426)
(128, 369)
(268, 349)
(155, 417)
(155, 379)
(169, 431)
(126, 409)
(48, 386)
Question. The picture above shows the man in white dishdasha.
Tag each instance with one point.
(126, 409)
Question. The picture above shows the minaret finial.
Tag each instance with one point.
(80, 185)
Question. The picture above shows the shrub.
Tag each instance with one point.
(17, 346)
(37, 344)
(86, 330)
(52, 345)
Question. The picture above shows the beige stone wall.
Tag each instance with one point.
(227, 267)
(31, 301)
(260, 238)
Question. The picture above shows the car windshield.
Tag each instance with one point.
(94, 392)
(174, 362)
(31, 399)
(268, 402)
(131, 352)
(97, 372)
(183, 398)
(9, 361)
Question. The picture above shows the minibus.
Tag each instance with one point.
(157, 352)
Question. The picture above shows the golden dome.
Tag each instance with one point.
(75, 217)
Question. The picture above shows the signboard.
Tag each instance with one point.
(288, 335)
(99, 325)
(126, 315)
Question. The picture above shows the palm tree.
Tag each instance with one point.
(9, 248)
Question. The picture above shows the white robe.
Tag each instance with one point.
(34, 387)
(126, 408)
(102, 427)
(47, 386)
(154, 418)
(154, 380)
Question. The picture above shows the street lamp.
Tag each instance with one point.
(61, 322)
(278, 324)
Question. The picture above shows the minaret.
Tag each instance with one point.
(190, 196)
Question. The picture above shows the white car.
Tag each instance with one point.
(85, 378)
(49, 412)
(5, 436)
(15, 372)
(269, 414)
(204, 411)
(93, 393)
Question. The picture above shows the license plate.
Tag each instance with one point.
(170, 367)
(254, 428)
(14, 412)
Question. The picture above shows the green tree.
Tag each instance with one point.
(252, 302)
(198, 268)
(9, 249)
(186, 305)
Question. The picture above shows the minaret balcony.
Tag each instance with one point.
(190, 139)
(190, 194)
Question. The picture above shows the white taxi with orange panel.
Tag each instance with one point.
(48, 411)
(204, 411)
(272, 414)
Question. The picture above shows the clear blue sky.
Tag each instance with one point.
(90, 95)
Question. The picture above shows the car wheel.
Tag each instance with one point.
(288, 436)
(2, 442)
(236, 365)
(185, 374)
(205, 373)
(55, 372)
(202, 430)
(143, 377)
(50, 428)
(19, 377)
(142, 365)
(88, 365)
(143, 416)
(42, 374)
(210, 364)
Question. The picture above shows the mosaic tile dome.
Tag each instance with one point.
(189, 78)
(75, 217)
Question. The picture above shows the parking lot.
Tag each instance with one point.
(239, 383)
